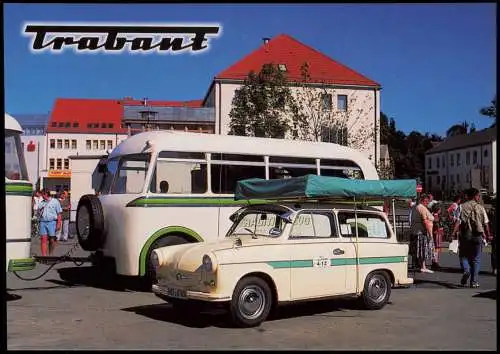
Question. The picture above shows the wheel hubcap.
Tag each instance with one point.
(377, 288)
(251, 302)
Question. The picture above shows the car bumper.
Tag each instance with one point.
(164, 291)
(21, 265)
(404, 282)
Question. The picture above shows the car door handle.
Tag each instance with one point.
(338, 251)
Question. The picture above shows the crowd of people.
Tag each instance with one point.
(51, 213)
(466, 221)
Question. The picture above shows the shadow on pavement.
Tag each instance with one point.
(491, 294)
(459, 271)
(165, 312)
(60, 286)
(445, 284)
(96, 278)
(13, 297)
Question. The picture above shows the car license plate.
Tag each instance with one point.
(178, 293)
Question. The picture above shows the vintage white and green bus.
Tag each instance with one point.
(18, 197)
(165, 188)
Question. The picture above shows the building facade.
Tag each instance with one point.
(352, 95)
(461, 162)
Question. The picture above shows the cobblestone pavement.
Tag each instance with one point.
(72, 308)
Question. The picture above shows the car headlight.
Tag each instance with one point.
(155, 260)
(207, 263)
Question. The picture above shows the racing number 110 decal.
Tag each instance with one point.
(321, 262)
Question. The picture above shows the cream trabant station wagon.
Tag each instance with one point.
(289, 251)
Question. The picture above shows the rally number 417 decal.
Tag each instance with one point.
(321, 262)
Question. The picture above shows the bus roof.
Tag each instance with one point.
(165, 140)
(12, 124)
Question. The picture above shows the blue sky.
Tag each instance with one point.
(436, 63)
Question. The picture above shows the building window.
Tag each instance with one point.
(52, 143)
(458, 178)
(54, 124)
(110, 144)
(458, 159)
(452, 179)
(485, 153)
(59, 164)
(437, 162)
(326, 101)
(51, 164)
(73, 144)
(467, 158)
(75, 124)
(67, 124)
(95, 125)
(66, 144)
(438, 179)
(61, 124)
(474, 156)
(110, 125)
(89, 125)
(103, 125)
(59, 143)
(467, 178)
(88, 144)
(66, 164)
(342, 102)
(443, 161)
(452, 161)
(103, 144)
(96, 144)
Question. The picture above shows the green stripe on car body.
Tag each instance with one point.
(335, 262)
(25, 189)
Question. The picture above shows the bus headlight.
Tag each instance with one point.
(207, 263)
(155, 260)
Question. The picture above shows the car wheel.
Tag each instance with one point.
(377, 290)
(251, 302)
(90, 223)
(169, 240)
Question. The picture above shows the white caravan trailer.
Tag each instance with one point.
(164, 188)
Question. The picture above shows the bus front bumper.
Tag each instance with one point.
(21, 265)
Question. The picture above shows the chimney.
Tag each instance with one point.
(266, 40)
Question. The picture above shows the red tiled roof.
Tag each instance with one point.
(284, 49)
(84, 112)
(192, 103)
(103, 112)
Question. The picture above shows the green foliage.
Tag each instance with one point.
(260, 105)
(491, 110)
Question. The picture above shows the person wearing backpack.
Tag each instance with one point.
(471, 237)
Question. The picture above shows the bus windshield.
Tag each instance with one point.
(126, 174)
(15, 166)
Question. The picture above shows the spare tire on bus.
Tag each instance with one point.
(90, 223)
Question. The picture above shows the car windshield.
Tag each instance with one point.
(259, 223)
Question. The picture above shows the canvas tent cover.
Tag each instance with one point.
(321, 187)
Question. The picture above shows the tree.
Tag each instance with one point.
(260, 105)
(317, 119)
(461, 129)
(491, 110)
